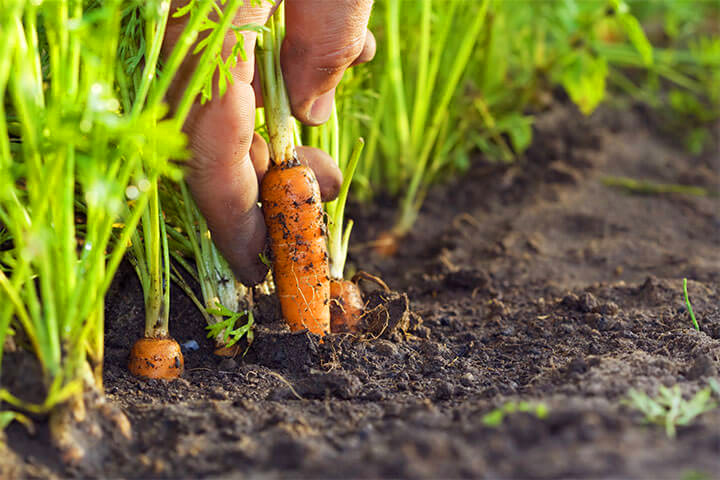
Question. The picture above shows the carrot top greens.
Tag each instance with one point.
(84, 136)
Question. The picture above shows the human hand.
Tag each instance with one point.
(323, 38)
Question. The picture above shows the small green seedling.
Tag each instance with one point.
(670, 409)
(496, 417)
(689, 307)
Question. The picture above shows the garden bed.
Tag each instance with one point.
(534, 282)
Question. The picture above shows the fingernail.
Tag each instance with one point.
(322, 108)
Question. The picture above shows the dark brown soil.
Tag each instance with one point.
(534, 282)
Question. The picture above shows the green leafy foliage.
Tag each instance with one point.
(227, 329)
(521, 56)
(669, 409)
(414, 89)
(584, 79)
(84, 136)
(681, 83)
(433, 106)
(633, 30)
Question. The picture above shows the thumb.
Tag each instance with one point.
(322, 40)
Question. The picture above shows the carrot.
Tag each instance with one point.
(346, 306)
(293, 213)
(156, 358)
(387, 244)
(291, 201)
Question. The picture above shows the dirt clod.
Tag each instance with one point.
(388, 314)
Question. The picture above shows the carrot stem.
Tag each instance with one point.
(339, 235)
(278, 118)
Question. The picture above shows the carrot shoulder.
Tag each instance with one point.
(294, 216)
(156, 358)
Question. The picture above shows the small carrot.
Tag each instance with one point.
(291, 201)
(293, 212)
(156, 358)
(346, 306)
(387, 244)
(156, 354)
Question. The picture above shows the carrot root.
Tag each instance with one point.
(362, 275)
(156, 358)
(294, 216)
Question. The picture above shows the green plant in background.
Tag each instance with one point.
(436, 97)
(417, 111)
(681, 86)
(77, 133)
(526, 52)
(496, 417)
(670, 409)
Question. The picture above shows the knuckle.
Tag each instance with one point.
(339, 58)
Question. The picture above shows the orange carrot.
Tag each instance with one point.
(294, 216)
(387, 244)
(156, 358)
(346, 306)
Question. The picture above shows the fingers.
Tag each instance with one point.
(328, 174)
(368, 51)
(260, 156)
(228, 159)
(322, 40)
(223, 179)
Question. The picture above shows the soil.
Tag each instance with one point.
(534, 282)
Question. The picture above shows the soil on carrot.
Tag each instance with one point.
(534, 282)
